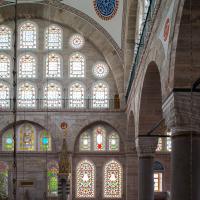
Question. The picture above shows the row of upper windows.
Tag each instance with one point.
(28, 37)
(27, 66)
(164, 144)
(27, 93)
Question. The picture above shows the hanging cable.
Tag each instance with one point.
(15, 105)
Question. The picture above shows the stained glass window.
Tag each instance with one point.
(76, 95)
(27, 140)
(45, 141)
(100, 70)
(113, 180)
(4, 95)
(27, 96)
(52, 96)
(99, 139)
(52, 175)
(169, 141)
(53, 37)
(160, 145)
(27, 66)
(4, 66)
(76, 41)
(157, 182)
(53, 66)
(113, 142)
(28, 35)
(5, 37)
(85, 180)
(8, 144)
(85, 142)
(100, 95)
(3, 180)
(77, 66)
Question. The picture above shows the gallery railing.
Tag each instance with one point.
(60, 104)
(146, 30)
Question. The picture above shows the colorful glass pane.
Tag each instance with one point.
(27, 96)
(5, 37)
(45, 141)
(4, 66)
(4, 96)
(52, 174)
(76, 41)
(77, 66)
(3, 180)
(113, 180)
(76, 93)
(100, 95)
(157, 182)
(113, 142)
(99, 139)
(85, 180)
(8, 144)
(27, 137)
(85, 142)
(53, 66)
(28, 35)
(52, 96)
(53, 37)
(27, 66)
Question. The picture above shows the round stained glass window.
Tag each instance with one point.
(76, 41)
(100, 70)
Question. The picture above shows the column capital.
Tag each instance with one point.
(181, 111)
(146, 146)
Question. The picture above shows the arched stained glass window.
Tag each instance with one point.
(27, 137)
(85, 180)
(7, 140)
(52, 174)
(3, 180)
(76, 95)
(53, 37)
(53, 66)
(158, 176)
(5, 37)
(44, 141)
(27, 66)
(85, 142)
(4, 95)
(27, 96)
(99, 139)
(4, 66)
(113, 180)
(100, 95)
(52, 96)
(77, 66)
(113, 142)
(28, 35)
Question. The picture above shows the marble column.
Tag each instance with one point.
(146, 147)
(182, 115)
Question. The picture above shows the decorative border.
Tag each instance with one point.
(104, 17)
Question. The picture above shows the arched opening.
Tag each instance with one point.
(151, 100)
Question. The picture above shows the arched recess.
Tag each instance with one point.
(185, 69)
(107, 127)
(131, 26)
(64, 15)
(150, 112)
